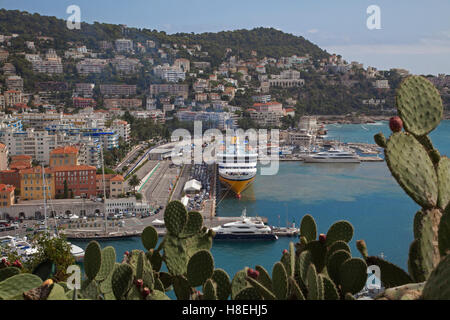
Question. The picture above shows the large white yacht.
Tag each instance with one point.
(237, 165)
(245, 229)
(332, 156)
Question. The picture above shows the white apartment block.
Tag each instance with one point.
(88, 66)
(122, 128)
(124, 45)
(169, 73)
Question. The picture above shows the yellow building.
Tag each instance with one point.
(64, 156)
(31, 183)
(114, 185)
(6, 195)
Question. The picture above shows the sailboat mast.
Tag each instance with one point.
(45, 199)
(104, 186)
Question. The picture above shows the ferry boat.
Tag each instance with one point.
(245, 229)
(333, 156)
(237, 165)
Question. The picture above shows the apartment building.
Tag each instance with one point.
(125, 65)
(114, 185)
(3, 157)
(32, 182)
(181, 90)
(117, 89)
(123, 103)
(64, 156)
(169, 73)
(124, 45)
(80, 180)
(88, 66)
(122, 128)
(267, 114)
(13, 97)
(14, 83)
(183, 64)
(85, 90)
(82, 103)
(7, 198)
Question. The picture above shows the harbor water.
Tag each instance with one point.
(364, 194)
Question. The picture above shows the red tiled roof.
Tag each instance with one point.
(73, 168)
(6, 188)
(65, 149)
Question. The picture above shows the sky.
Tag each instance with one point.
(414, 34)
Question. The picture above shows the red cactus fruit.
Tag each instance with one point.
(396, 124)
(322, 238)
(252, 273)
(285, 251)
(127, 253)
(145, 292)
(139, 283)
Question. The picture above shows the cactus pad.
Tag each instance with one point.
(57, 293)
(239, 283)
(438, 285)
(264, 277)
(223, 284)
(413, 169)
(149, 237)
(121, 280)
(380, 140)
(263, 291)
(249, 293)
(340, 230)
(334, 263)
(444, 234)
(92, 259)
(330, 291)
(175, 217)
(107, 265)
(419, 104)
(209, 290)
(304, 260)
(279, 281)
(337, 245)
(200, 268)
(312, 282)
(6, 273)
(443, 174)
(295, 293)
(181, 288)
(18, 284)
(318, 253)
(353, 275)
(194, 223)
(308, 228)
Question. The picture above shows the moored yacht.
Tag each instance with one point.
(244, 229)
(332, 156)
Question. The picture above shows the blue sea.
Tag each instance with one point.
(364, 194)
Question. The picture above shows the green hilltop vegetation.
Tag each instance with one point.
(265, 41)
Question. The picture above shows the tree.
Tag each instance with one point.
(66, 190)
(134, 182)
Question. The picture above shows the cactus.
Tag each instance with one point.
(419, 104)
(92, 259)
(353, 275)
(45, 269)
(308, 228)
(57, 293)
(330, 292)
(444, 234)
(209, 290)
(391, 275)
(108, 260)
(335, 262)
(313, 284)
(223, 284)
(200, 268)
(380, 140)
(175, 217)
(149, 237)
(443, 175)
(18, 284)
(341, 230)
(248, 293)
(412, 168)
(8, 272)
(279, 281)
(121, 280)
(438, 284)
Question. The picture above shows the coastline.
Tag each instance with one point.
(360, 119)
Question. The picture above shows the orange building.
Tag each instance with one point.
(64, 156)
(32, 185)
(114, 185)
(6, 195)
(80, 180)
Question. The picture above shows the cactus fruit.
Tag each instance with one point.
(340, 230)
(308, 228)
(443, 175)
(253, 273)
(92, 259)
(444, 234)
(362, 248)
(149, 237)
(353, 275)
(223, 284)
(175, 217)
(121, 280)
(200, 267)
(419, 104)
(413, 169)
(396, 124)
(380, 140)
(279, 281)
(18, 284)
(322, 238)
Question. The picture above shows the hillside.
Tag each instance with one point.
(266, 41)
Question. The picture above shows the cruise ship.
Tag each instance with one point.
(237, 165)
(245, 229)
(332, 156)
